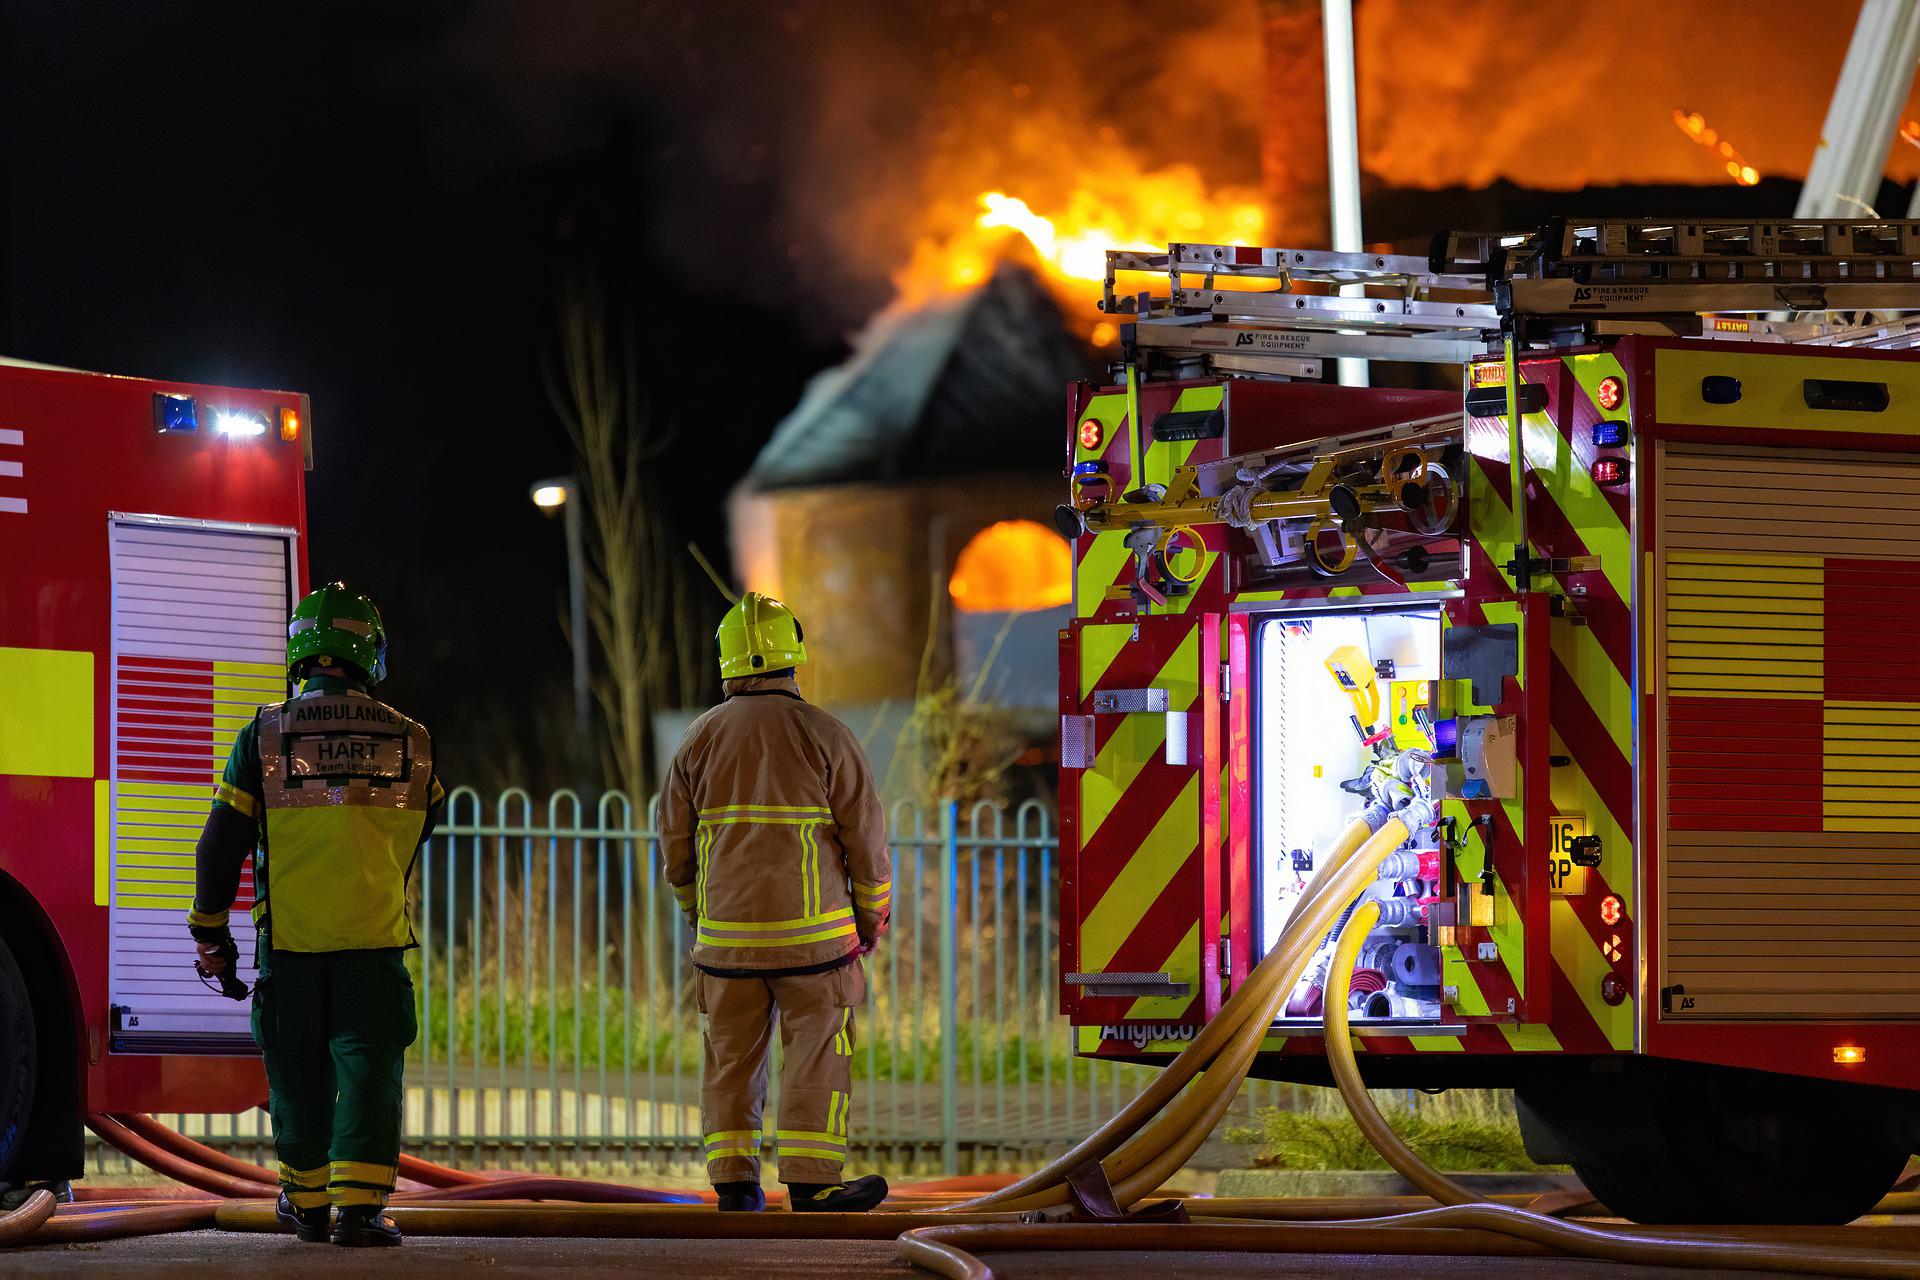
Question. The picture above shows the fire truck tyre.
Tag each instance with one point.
(17, 1055)
(1830, 1180)
(1700, 1147)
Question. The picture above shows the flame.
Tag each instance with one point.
(1695, 126)
(1118, 207)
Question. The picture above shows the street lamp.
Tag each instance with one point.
(561, 495)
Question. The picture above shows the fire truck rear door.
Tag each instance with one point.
(199, 643)
(1140, 832)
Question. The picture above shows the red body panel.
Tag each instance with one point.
(90, 448)
(1892, 1049)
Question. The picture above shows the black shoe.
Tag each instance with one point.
(741, 1197)
(12, 1197)
(857, 1196)
(364, 1226)
(310, 1225)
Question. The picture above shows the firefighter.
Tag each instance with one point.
(776, 847)
(333, 792)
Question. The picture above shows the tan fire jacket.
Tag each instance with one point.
(776, 843)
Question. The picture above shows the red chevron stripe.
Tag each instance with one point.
(1591, 746)
(1140, 807)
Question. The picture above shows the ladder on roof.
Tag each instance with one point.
(1242, 310)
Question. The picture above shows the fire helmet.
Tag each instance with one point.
(759, 635)
(337, 622)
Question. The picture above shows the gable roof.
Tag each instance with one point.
(964, 385)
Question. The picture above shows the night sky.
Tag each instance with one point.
(359, 206)
(376, 203)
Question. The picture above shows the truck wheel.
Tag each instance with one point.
(1817, 1178)
(17, 1056)
(1672, 1143)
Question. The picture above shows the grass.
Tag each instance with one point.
(650, 1034)
(1462, 1129)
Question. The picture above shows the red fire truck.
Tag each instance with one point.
(1630, 607)
(151, 546)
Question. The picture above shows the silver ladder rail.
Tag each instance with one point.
(1277, 312)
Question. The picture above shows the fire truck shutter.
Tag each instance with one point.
(1789, 729)
(199, 640)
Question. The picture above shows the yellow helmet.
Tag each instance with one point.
(759, 635)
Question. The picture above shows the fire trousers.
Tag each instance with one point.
(814, 1012)
(334, 1027)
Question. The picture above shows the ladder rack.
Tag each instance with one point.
(1238, 309)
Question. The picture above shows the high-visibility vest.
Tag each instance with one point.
(347, 782)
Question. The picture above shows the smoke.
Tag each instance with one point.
(1565, 96)
(812, 148)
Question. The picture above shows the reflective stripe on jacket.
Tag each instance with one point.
(776, 842)
(347, 784)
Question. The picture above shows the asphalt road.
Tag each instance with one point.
(199, 1255)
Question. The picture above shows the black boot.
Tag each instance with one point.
(310, 1225)
(857, 1196)
(365, 1226)
(740, 1197)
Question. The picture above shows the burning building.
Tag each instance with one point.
(901, 508)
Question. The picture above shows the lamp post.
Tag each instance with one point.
(562, 495)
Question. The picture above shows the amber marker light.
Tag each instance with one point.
(1091, 433)
(1849, 1055)
(289, 424)
(1609, 394)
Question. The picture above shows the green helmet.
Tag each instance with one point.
(338, 622)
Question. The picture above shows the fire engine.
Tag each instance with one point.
(1628, 605)
(151, 545)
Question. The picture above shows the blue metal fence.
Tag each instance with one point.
(558, 1027)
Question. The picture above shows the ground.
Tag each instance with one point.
(199, 1255)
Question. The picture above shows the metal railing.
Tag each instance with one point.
(557, 1026)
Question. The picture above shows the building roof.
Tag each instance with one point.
(964, 385)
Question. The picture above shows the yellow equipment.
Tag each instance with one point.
(1350, 666)
(758, 635)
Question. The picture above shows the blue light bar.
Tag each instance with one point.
(1609, 434)
(174, 413)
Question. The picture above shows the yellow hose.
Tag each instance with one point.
(1346, 1070)
(1175, 1124)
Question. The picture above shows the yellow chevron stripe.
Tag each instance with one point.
(1136, 740)
(1099, 565)
(1183, 965)
(1159, 856)
(1100, 644)
(1580, 959)
(1571, 487)
(1530, 1037)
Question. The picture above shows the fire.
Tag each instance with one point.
(1068, 240)
(1695, 126)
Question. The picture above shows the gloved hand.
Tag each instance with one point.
(219, 957)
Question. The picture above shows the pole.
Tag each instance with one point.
(949, 993)
(1343, 150)
(577, 624)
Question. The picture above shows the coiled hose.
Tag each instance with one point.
(1139, 1148)
(1463, 1223)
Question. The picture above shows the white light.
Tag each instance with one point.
(549, 496)
(239, 424)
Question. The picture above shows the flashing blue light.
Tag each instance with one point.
(175, 413)
(1720, 389)
(1610, 434)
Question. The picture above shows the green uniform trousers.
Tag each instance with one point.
(334, 1027)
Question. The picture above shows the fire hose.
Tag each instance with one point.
(1138, 1149)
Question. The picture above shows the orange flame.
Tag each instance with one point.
(1121, 208)
(1695, 126)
